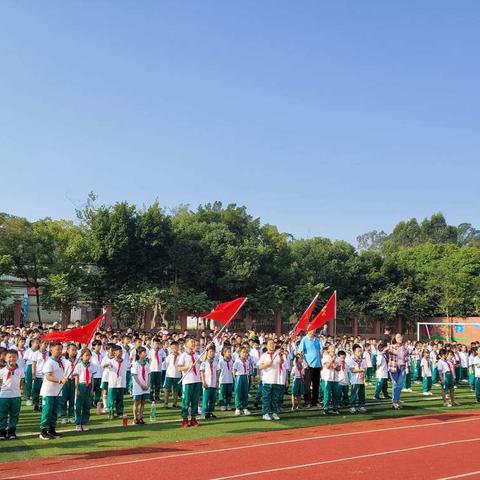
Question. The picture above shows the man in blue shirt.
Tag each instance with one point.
(311, 348)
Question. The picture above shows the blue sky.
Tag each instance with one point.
(325, 118)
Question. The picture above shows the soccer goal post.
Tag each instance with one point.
(449, 331)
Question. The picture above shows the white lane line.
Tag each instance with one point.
(242, 447)
(462, 475)
(347, 459)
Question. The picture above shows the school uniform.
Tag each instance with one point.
(381, 375)
(330, 382)
(142, 372)
(433, 366)
(226, 382)
(117, 383)
(426, 374)
(28, 373)
(343, 383)
(209, 368)
(85, 372)
(471, 371)
(128, 363)
(476, 367)
(39, 358)
(50, 393)
(368, 361)
(172, 375)
(357, 380)
(67, 405)
(273, 382)
(192, 385)
(463, 377)
(155, 360)
(96, 361)
(446, 370)
(242, 373)
(298, 387)
(10, 397)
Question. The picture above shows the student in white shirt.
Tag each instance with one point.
(117, 369)
(67, 406)
(140, 384)
(298, 372)
(225, 366)
(476, 369)
(156, 356)
(38, 358)
(426, 368)
(12, 378)
(84, 376)
(192, 385)
(209, 375)
(241, 374)
(53, 380)
(28, 370)
(172, 383)
(96, 361)
(329, 374)
(271, 366)
(357, 368)
(381, 373)
(343, 379)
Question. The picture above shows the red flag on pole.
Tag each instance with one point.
(224, 312)
(82, 334)
(305, 318)
(327, 313)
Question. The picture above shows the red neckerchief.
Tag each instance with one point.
(44, 355)
(359, 363)
(87, 374)
(175, 355)
(10, 371)
(451, 367)
(144, 371)
(157, 358)
(228, 364)
(98, 357)
(244, 366)
(119, 361)
(194, 368)
(280, 365)
(211, 367)
(300, 370)
(428, 363)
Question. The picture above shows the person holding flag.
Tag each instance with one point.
(53, 380)
(83, 374)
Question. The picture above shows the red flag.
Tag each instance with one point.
(305, 318)
(82, 334)
(327, 313)
(224, 312)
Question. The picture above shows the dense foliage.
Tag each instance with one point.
(185, 260)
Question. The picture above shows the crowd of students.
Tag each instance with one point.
(234, 372)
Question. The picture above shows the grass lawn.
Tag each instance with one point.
(107, 434)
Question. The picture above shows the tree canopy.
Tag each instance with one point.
(187, 259)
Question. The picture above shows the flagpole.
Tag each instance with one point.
(213, 339)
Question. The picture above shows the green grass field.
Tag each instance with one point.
(107, 434)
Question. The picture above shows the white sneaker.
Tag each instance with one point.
(353, 410)
(72, 420)
(267, 417)
(237, 412)
(426, 394)
(246, 412)
(84, 428)
(229, 407)
(64, 421)
(404, 389)
(362, 409)
(199, 411)
(29, 403)
(275, 416)
(78, 428)
(223, 408)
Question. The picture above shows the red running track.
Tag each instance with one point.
(443, 446)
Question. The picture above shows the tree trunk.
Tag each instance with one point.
(37, 295)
